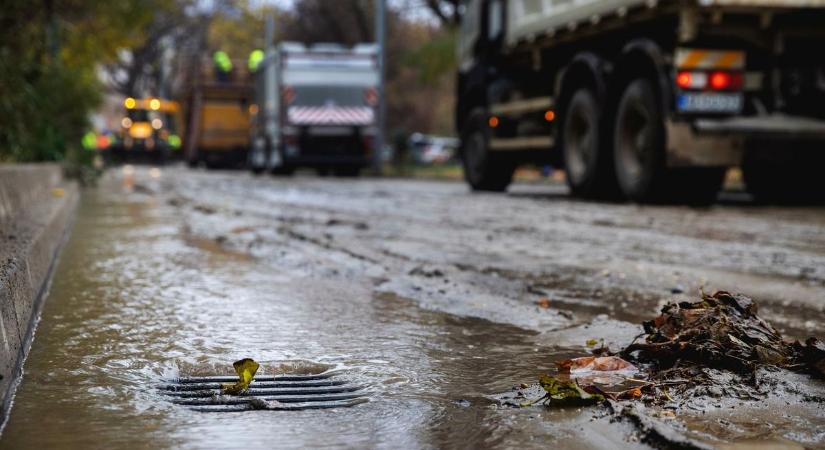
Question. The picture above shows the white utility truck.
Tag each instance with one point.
(643, 99)
(316, 107)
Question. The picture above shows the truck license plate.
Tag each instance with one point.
(713, 103)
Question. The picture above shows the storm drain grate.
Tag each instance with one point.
(292, 393)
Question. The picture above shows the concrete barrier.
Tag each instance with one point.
(37, 207)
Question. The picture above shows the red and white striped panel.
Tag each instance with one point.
(330, 115)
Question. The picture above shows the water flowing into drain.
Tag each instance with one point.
(289, 393)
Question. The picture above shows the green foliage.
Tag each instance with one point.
(240, 30)
(434, 59)
(46, 112)
(48, 84)
(51, 52)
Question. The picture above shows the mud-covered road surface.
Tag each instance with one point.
(437, 299)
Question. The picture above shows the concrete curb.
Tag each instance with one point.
(37, 208)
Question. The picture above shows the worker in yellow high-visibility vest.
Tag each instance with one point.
(255, 58)
(223, 66)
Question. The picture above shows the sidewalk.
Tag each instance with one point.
(36, 211)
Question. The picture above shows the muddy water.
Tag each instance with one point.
(405, 287)
(135, 301)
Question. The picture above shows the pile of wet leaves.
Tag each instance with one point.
(715, 346)
(722, 331)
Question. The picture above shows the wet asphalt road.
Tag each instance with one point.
(492, 256)
(424, 292)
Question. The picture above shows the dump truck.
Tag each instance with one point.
(643, 99)
(218, 109)
(149, 131)
(316, 107)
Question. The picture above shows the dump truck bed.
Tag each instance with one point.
(531, 19)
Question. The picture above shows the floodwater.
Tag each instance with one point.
(134, 301)
(419, 291)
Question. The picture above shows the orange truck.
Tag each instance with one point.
(218, 119)
(149, 130)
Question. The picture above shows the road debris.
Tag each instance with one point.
(587, 364)
(245, 368)
(712, 347)
(543, 303)
(722, 331)
(813, 355)
(259, 403)
(561, 392)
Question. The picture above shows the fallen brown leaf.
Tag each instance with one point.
(594, 364)
(630, 394)
(543, 303)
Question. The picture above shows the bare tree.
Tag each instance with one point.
(139, 69)
(447, 11)
(346, 21)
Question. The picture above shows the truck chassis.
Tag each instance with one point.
(607, 94)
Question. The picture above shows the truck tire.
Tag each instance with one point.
(588, 165)
(794, 180)
(640, 155)
(283, 171)
(639, 143)
(192, 162)
(770, 185)
(163, 156)
(255, 168)
(347, 171)
(484, 170)
(698, 186)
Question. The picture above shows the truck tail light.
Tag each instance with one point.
(371, 96)
(726, 81)
(288, 95)
(692, 80)
(716, 80)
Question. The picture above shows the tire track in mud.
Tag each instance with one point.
(394, 241)
(602, 275)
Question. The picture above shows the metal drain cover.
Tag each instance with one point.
(292, 392)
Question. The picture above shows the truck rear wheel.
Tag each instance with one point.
(347, 171)
(697, 186)
(283, 171)
(163, 156)
(795, 178)
(588, 165)
(256, 161)
(192, 161)
(772, 184)
(638, 143)
(484, 170)
(640, 154)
